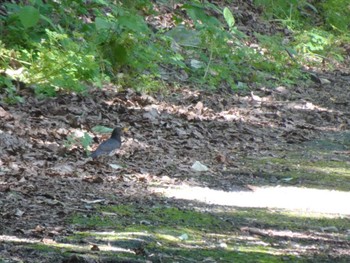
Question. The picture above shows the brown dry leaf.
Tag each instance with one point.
(199, 107)
(49, 241)
(93, 201)
(220, 158)
(152, 115)
(5, 115)
(63, 169)
(39, 229)
(93, 179)
(94, 248)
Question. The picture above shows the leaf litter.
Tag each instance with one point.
(43, 182)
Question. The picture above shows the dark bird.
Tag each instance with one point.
(109, 147)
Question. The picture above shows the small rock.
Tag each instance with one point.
(199, 167)
(115, 166)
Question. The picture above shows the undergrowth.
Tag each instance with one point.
(71, 46)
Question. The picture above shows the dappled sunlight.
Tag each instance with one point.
(290, 198)
(242, 108)
(330, 170)
(174, 131)
(113, 241)
(58, 245)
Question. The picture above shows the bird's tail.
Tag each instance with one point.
(94, 155)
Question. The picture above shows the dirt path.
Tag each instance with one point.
(269, 141)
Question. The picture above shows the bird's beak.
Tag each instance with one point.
(125, 129)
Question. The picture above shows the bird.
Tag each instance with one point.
(110, 146)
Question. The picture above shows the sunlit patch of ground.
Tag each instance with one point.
(290, 198)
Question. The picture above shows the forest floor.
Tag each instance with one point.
(276, 187)
(201, 176)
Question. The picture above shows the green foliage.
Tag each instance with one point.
(122, 38)
(101, 129)
(277, 61)
(72, 45)
(79, 141)
(61, 63)
(23, 26)
(29, 16)
(70, 54)
(228, 62)
(288, 12)
(217, 58)
(8, 59)
(336, 14)
(9, 90)
(229, 18)
(311, 24)
(318, 44)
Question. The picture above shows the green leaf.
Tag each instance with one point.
(101, 129)
(102, 2)
(292, 51)
(312, 7)
(86, 140)
(101, 23)
(48, 20)
(133, 23)
(29, 16)
(230, 20)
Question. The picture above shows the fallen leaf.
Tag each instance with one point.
(95, 248)
(39, 229)
(220, 158)
(93, 179)
(93, 201)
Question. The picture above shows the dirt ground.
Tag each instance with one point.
(46, 178)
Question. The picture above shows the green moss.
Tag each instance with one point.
(291, 170)
(165, 216)
(199, 236)
(281, 220)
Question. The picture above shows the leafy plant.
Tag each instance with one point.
(310, 22)
(289, 12)
(29, 16)
(8, 72)
(60, 63)
(336, 14)
(76, 141)
(11, 96)
(317, 45)
(72, 45)
(276, 60)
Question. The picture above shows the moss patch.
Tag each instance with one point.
(242, 235)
